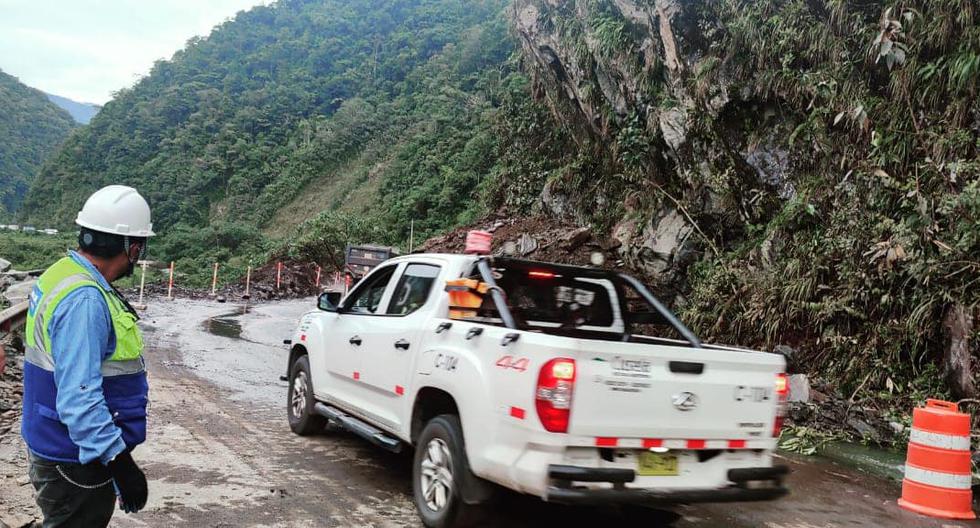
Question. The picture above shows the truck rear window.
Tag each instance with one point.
(573, 301)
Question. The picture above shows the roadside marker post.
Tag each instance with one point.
(248, 283)
(318, 269)
(139, 304)
(278, 274)
(170, 285)
(214, 280)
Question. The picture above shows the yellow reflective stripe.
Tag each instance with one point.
(49, 302)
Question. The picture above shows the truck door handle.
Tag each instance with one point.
(443, 326)
(473, 332)
(356, 341)
(509, 338)
(686, 367)
(402, 344)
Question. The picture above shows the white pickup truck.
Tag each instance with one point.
(562, 382)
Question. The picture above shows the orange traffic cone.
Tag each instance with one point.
(937, 468)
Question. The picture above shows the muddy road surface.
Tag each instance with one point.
(220, 453)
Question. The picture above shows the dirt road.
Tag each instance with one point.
(221, 454)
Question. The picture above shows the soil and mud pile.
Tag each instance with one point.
(534, 238)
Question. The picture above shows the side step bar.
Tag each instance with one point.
(359, 427)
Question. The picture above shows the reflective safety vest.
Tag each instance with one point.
(123, 373)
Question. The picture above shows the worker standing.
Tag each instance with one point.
(85, 387)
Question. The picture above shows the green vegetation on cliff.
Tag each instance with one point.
(799, 172)
(31, 128)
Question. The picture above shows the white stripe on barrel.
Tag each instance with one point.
(938, 479)
(938, 440)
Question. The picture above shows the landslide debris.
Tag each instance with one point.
(533, 238)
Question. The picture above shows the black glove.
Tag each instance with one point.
(130, 482)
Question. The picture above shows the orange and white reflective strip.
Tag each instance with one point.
(940, 480)
(939, 440)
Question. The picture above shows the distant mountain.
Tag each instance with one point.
(81, 112)
(368, 102)
(31, 128)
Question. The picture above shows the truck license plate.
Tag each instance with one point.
(657, 465)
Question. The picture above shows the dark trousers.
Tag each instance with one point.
(72, 495)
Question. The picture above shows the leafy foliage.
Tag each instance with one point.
(866, 235)
(31, 128)
(27, 251)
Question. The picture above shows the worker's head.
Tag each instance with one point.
(115, 225)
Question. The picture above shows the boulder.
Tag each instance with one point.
(576, 237)
(525, 245)
(659, 246)
(19, 292)
(799, 388)
(4, 265)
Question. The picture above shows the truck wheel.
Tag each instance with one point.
(439, 468)
(303, 420)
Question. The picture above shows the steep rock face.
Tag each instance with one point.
(801, 171)
(601, 68)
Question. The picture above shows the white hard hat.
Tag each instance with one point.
(117, 209)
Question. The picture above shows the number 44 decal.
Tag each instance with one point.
(510, 362)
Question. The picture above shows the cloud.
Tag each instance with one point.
(88, 49)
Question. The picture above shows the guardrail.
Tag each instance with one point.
(13, 317)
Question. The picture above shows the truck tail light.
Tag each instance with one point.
(553, 396)
(782, 392)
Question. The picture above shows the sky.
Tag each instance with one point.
(87, 49)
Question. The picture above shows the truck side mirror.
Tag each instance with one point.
(329, 301)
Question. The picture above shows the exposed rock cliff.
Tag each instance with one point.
(796, 169)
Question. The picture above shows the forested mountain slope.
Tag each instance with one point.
(31, 128)
(300, 107)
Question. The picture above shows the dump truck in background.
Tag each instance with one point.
(360, 260)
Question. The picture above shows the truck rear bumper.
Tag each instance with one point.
(750, 484)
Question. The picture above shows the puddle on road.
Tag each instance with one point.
(227, 325)
(224, 327)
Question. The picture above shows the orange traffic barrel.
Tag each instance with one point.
(937, 468)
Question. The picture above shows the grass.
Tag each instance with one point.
(27, 251)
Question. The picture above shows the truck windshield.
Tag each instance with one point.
(572, 301)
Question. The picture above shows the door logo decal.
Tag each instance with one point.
(685, 401)
(447, 362)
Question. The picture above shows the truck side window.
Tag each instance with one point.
(413, 288)
(368, 296)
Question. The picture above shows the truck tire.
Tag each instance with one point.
(303, 420)
(438, 469)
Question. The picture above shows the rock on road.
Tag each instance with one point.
(220, 453)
